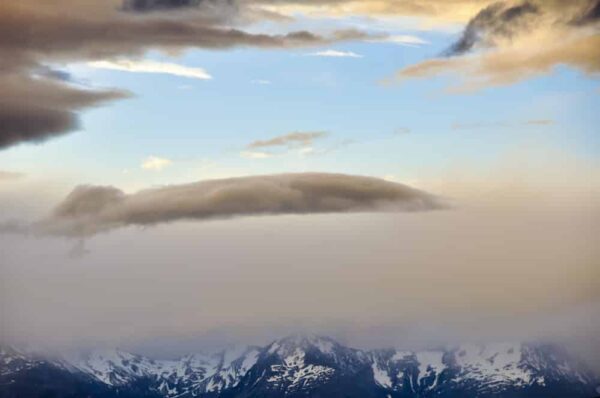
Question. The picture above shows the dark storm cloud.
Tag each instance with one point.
(494, 21)
(89, 210)
(153, 5)
(36, 109)
(590, 15)
(33, 34)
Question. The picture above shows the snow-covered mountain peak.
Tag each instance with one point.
(304, 342)
(303, 365)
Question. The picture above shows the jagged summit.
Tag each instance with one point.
(306, 342)
(310, 366)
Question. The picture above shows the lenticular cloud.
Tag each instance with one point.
(89, 210)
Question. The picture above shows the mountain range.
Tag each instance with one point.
(303, 366)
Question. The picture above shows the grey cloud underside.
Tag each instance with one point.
(590, 15)
(508, 19)
(34, 110)
(161, 5)
(496, 20)
(89, 210)
(223, 8)
(98, 30)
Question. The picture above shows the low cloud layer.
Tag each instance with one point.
(89, 210)
(10, 175)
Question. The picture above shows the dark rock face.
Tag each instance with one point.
(301, 366)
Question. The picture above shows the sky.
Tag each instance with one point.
(388, 172)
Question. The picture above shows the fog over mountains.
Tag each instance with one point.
(303, 366)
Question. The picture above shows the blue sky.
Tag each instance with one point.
(373, 127)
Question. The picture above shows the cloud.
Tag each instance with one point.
(14, 227)
(147, 66)
(335, 54)
(402, 131)
(540, 122)
(89, 210)
(497, 20)
(155, 163)
(509, 41)
(160, 5)
(403, 40)
(262, 82)
(67, 31)
(256, 155)
(434, 13)
(298, 138)
(512, 65)
(300, 142)
(506, 124)
(10, 175)
(36, 109)
(590, 15)
(78, 250)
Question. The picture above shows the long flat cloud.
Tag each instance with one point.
(67, 31)
(89, 210)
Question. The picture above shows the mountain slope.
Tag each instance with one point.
(304, 366)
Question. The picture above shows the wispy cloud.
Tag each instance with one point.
(402, 131)
(403, 40)
(155, 163)
(335, 54)
(496, 124)
(147, 66)
(300, 143)
(297, 138)
(262, 82)
(540, 122)
(256, 155)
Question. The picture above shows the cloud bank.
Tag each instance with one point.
(89, 210)
(10, 175)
